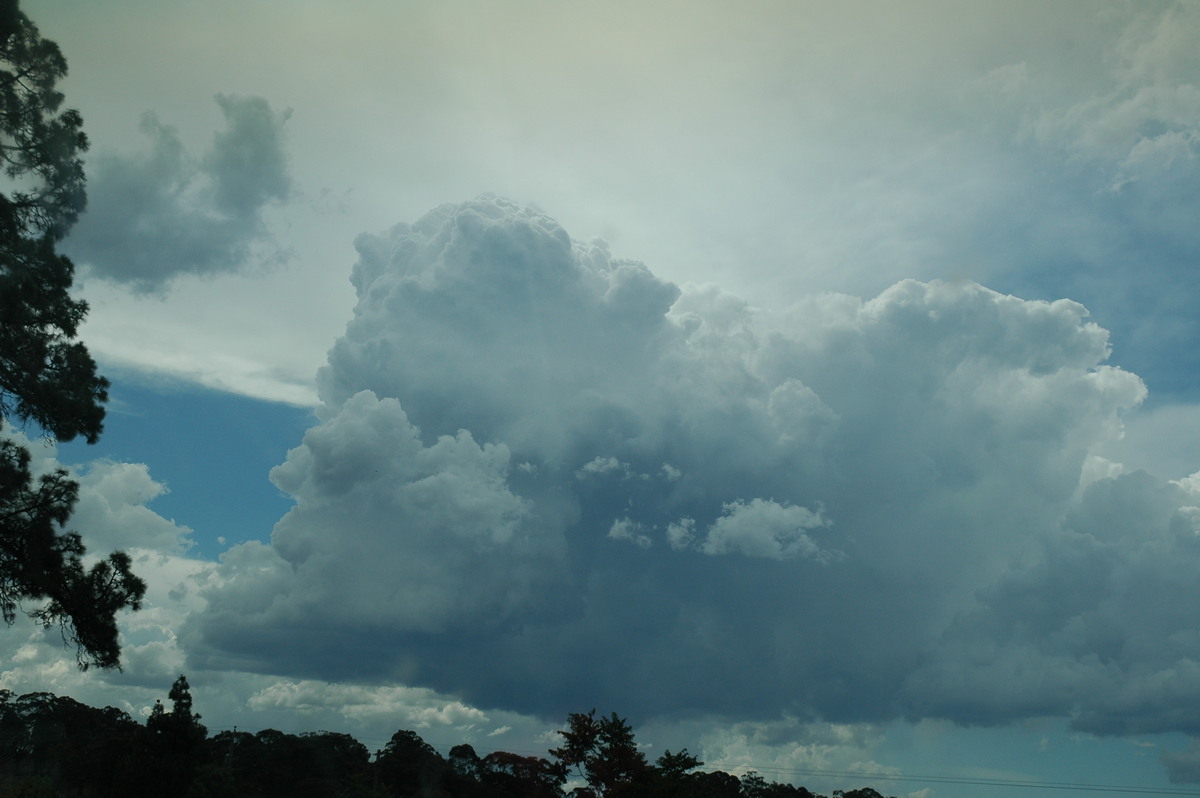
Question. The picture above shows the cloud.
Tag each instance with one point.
(783, 748)
(1092, 171)
(625, 529)
(162, 213)
(410, 706)
(1146, 115)
(113, 512)
(460, 545)
(1183, 767)
(1098, 626)
(112, 508)
(984, 552)
(854, 511)
(764, 529)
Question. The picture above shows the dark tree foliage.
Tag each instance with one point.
(755, 786)
(47, 378)
(273, 764)
(174, 741)
(716, 784)
(409, 766)
(603, 752)
(48, 740)
(672, 776)
(180, 728)
(465, 764)
(52, 746)
(39, 142)
(514, 776)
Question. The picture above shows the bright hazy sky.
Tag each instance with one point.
(815, 384)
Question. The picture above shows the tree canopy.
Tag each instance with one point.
(602, 751)
(61, 747)
(48, 380)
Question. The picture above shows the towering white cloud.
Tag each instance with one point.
(546, 479)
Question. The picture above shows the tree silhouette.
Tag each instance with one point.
(409, 766)
(603, 752)
(47, 378)
(514, 776)
(57, 746)
(47, 740)
(174, 741)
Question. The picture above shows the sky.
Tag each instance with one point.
(814, 384)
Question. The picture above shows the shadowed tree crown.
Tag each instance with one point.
(601, 750)
(48, 379)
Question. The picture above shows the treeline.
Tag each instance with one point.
(52, 746)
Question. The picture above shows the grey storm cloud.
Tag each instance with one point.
(545, 479)
(161, 213)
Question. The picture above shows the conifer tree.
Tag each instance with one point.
(48, 379)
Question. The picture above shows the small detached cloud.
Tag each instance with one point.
(626, 529)
(162, 212)
(546, 479)
(765, 529)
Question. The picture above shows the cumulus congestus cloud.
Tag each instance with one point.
(161, 213)
(546, 479)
